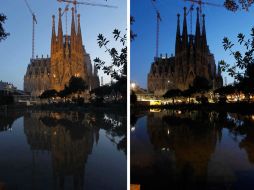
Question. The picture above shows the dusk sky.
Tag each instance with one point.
(219, 23)
(16, 50)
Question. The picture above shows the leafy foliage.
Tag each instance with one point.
(132, 34)
(116, 88)
(6, 99)
(173, 93)
(48, 94)
(201, 84)
(77, 84)
(234, 5)
(133, 97)
(118, 67)
(3, 33)
(242, 60)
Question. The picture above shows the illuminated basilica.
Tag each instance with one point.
(68, 58)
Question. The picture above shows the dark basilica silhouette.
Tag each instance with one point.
(192, 58)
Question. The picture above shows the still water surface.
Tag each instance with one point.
(63, 150)
(173, 149)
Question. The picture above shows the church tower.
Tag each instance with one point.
(68, 58)
(192, 59)
(67, 54)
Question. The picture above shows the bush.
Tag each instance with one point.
(222, 99)
(202, 99)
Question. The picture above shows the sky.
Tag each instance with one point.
(220, 23)
(16, 50)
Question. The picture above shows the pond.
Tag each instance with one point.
(63, 150)
(181, 149)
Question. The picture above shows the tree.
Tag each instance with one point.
(118, 67)
(133, 97)
(132, 34)
(234, 5)
(3, 33)
(76, 84)
(65, 92)
(242, 60)
(188, 93)
(48, 94)
(172, 94)
(102, 91)
(226, 90)
(243, 67)
(201, 84)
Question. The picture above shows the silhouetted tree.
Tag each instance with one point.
(226, 90)
(77, 84)
(201, 84)
(48, 94)
(243, 66)
(102, 91)
(242, 60)
(173, 94)
(3, 33)
(118, 67)
(133, 97)
(234, 5)
(188, 93)
(65, 92)
(132, 34)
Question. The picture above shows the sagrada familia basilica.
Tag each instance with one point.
(192, 58)
(68, 58)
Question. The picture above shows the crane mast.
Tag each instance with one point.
(200, 4)
(158, 20)
(34, 21)
(75, 3)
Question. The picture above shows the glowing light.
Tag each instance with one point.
(155, 102)
(133, 129)
(155, 110)
(179, 111)
(133, 85)
(168, 132)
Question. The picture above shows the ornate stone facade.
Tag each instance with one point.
(192, 58)
(68, 58)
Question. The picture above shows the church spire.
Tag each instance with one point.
(79, 36)
(204, 41)
(185, 32)
(73, 32)
(197, 35)
(178, 36)
(60, 31)
(53, 37)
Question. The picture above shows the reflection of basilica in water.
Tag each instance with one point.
(63, 150)
(69, 138)
(182, 145)
(191, 142)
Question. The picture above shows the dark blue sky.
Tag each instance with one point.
(15, 51)
(219, 23)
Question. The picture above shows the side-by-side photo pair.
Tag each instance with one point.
(127, 95)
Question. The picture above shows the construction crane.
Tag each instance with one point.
(75, 3)
(201, 3)
(158, 20)
(34, 22)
